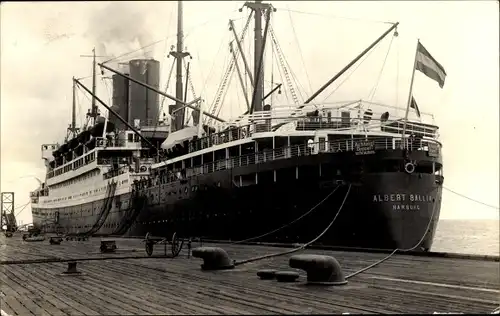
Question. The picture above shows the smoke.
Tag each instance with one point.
(119, 28)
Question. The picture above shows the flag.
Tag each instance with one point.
(414, 105)
(426, 64)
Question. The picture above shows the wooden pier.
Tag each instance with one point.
(402, 284)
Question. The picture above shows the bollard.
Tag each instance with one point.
(108, 246)
(71, 269)
(214, 258)
(286, 276)
(321, 270)
(55, 240)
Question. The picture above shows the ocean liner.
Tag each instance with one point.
(275, 173)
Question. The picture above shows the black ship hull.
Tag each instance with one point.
(383, 209)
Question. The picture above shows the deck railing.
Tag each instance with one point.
(313, 123)
(360, 146)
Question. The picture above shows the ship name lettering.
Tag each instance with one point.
(389, 198)
(400, 197)
(406, 207)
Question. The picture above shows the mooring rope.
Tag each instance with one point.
(290, 223)
(398, 249)
(56, 260)
(304, 245)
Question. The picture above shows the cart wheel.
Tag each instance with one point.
(149, 248)
(176, 245)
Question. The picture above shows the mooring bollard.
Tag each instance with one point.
(286, 276)
(214, 258)
(71, 269)
(266, 274)
(321, 270)
(55, 240)
(108, 246)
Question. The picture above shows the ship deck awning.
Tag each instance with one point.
(178, 137)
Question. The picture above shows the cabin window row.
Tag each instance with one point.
(83, 194)
(76, 180)
(73, 165)
(97, 208)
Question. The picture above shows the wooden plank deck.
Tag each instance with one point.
(402, 284)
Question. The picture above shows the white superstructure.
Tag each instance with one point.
(82, 182)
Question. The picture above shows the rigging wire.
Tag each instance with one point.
(19, 212)
(213, 65)
(200, 68)
(165, 39)
(225, 65)
(300, 51)
(23, 205)
(80, 113)
(162, 66)
(471, 199)
(250, 65)
(371, 95)
(272, 75)
(283, 64)
(397, 75)
(231, 75)
(108, 89)
(151, 44)
(238, 92)
(353, 71)
(222, 90)
(334, 16)
(282, 80)
(211, 20)
(191, 86)
(167, 84)
(298, 84)
(136, 50)
(163, 99)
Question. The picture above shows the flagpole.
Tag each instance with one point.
(403, 143)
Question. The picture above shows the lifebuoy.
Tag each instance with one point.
(409, 167)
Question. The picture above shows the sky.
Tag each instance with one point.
(40, 56)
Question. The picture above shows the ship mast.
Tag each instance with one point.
(73, 109)
(94, 112)
(176, 112)
(259, 41)
(72, 129)
(94, 106)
